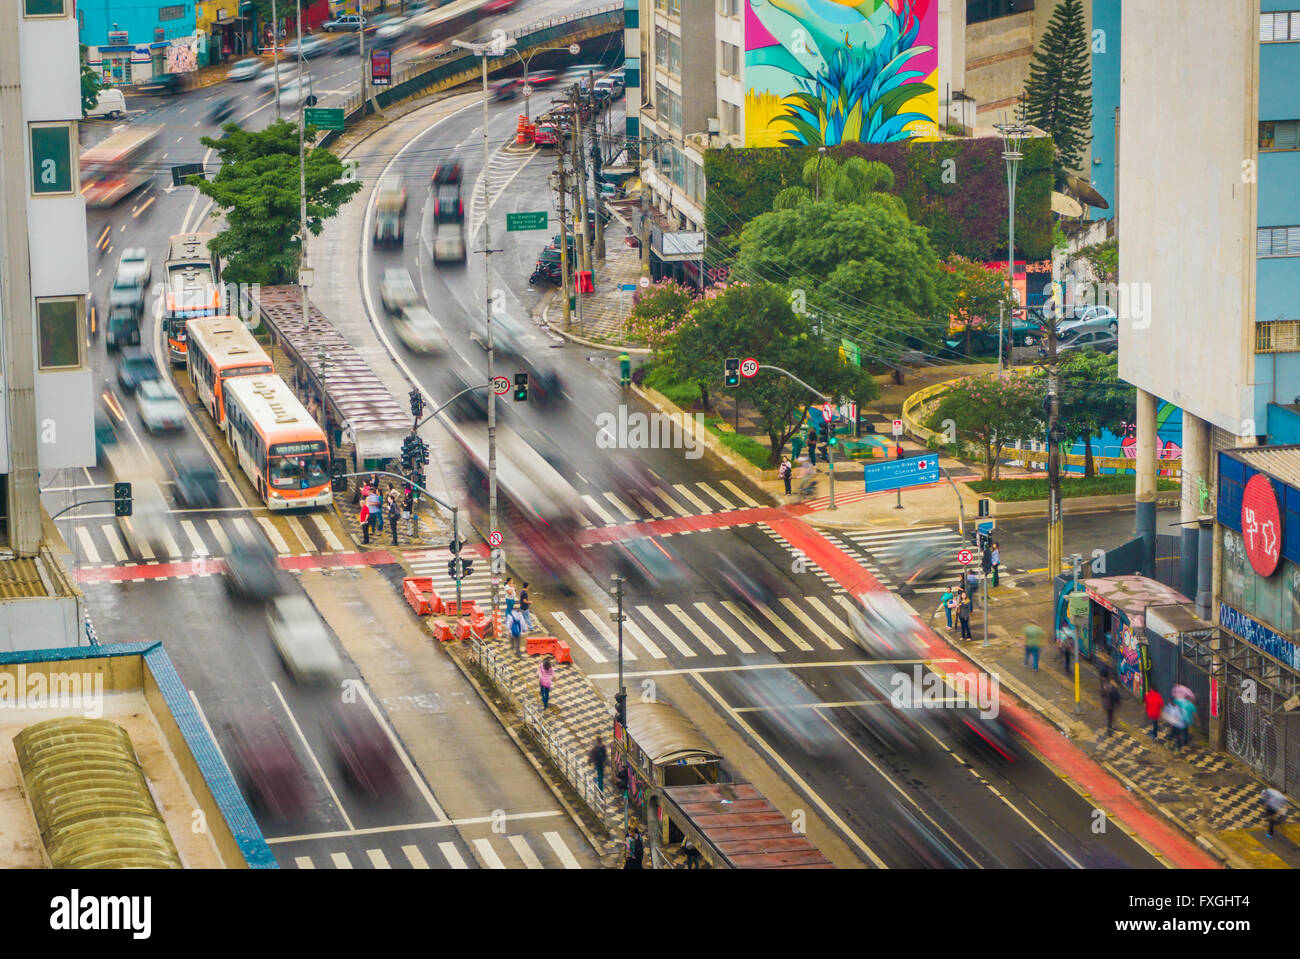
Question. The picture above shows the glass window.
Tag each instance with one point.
(58, 322)
(52, 159)
(1279, 27)
(45, 8)
(1277, 241)
(980, 10)
(1279, 134)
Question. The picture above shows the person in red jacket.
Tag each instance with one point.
(1154, 703)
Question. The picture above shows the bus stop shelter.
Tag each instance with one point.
(736, 827)
(336, 383)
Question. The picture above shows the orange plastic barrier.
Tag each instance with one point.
(541, 645)
(562, 654)
(442, 632)
(419, 593)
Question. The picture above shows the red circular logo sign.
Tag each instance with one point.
(1261, 525)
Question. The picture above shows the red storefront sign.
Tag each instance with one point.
(1261, 525)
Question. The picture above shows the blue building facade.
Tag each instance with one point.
(1105, 100)
(130, 41)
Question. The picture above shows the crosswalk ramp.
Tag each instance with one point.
(192, 537)
(690, 632)
(663, 501)
(894, 554)
(545, 850)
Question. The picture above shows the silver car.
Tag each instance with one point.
(302, 640)
(135, 267)
(1089, 319)
(160, 406)
(397, 290)
(421, 333)
(246, 69)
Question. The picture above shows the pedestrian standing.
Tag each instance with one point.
(812, 448)
(635, 849)
(946, 600)
(1187, 705)
(784, 472)
(1274, 803)
(624, 369)
(408, 506)
(1065, 640)
(963, 614)
(796, 447)
(972, 585)
(394, 513)
(510, 594)
(1033, 643)
(996, 557)
(898, 451)
(363, 518)
(545, 679)
(1110, 696)
(375, 502)
(692, 854)
(1154, 703)
(597, 758)
(525, 608)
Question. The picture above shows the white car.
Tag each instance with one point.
(135, 267)
(449, 242)
(266, 79)
(294, 92)
(249, 69)
(421, 333)
(160, 406)
(302, 640)
(393, 29)
(397, 290)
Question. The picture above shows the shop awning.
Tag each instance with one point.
(1132, 595)
(229, 21)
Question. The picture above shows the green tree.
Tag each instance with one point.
(1093, 399)
(757, 320)
(91, 83)
(1058, 96)
(657, 311)
(257, 188)
(973, 293)
(853, 181)
(990, 412)
(1104, 259)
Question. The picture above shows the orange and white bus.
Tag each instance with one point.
(191, 291)
(118, 165)
(219, 348)
(279, 446)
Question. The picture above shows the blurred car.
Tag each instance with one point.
(630, 478)
(887, 713)
(783, 700)
(390, 212)
(449, 242)
(267, 770)
(363, 750)
(745, 582)
(135, 267)
(505, 90)
(470, 407)
(160, 406)
(308, 48)
(195, 479)
(135, 367)
(165, 84)
(348, 21)
(923, 558)
(886, 628)
(127, 292)
(416, 327)
(266, 79)
(252, 568)
(105, 433)
(221, 108)
(1103, 341)
(647, 563)
(349, 44)
(302, 639)
(295, 91)
(1092, 317)
(397, 290)
(393, 29)
(545, 386)
(248, 69)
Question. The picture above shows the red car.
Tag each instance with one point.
(362, 751)
(267, 770)
(498, 6)
(547, 135)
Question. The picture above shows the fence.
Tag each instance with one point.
(571, 762)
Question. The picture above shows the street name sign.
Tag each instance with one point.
(896, 474)
(324, 118)
(533, 220)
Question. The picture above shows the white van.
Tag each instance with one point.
(111, 104)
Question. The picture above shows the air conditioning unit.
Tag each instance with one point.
(714, 126)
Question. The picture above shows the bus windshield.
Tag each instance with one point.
(298, 465)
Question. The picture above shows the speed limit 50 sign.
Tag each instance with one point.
(749, 368)
(500, 385)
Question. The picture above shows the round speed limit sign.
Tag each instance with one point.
(495, 539)
(500, 385)
(964, 557)
(749, 368)
(528, 90)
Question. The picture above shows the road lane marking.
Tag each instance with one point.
(525, 852)
(672, 503)
(304, 862)
(749, 624)
(401, 752)
(377, 859)
(452, 855)
(415, 857)
(644, 639)
(599, 510)
(192, 534)
(331, 540)
(214, 526)
(726, 630)
(618, 504)
(300, 532)
(699, 503)
(752, 667)
(488, 855)
(831, 618)
(341, 860)
(273, 534)
(782, 625)
(562, 850)
(648, 506)
(658, 624)
(695, 630)
(579, 640)
(736, 490)
(726, 503)
(813, 627)
(608, 635)
(114, 543)
(347, 820)
(87, 545)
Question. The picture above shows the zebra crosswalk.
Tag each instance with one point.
(546, 850)
(890, 559)
(698, 630)
(663, 501)
(96, 543)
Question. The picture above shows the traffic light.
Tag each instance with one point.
(984, 507)
(460, 568)
(521, 387)
(424, 452)
(583, 282)
(417, 403)
(620, 708)
(620, 779)
(824, 433)
(731, 372)
(409, 452)
(121, 499)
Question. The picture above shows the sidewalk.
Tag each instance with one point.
(603, 313)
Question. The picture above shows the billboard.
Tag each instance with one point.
(824, 72)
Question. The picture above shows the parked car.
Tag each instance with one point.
(984, 340)
(134, 368)
(252, 568)
(1088, 318)
(547, 135)
(348, 21)
(160, 406)
(1103, 341)
(302, 639)
(134, 268)
(421, 333)
(110, 103)
(165, 84)
(248, 69)
(397, 290)
(195, 479)
(609, 89)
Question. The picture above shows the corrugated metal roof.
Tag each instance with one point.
(663, 733)
(738, 821)
(1280, 462)
(350, 386)
(20, 579)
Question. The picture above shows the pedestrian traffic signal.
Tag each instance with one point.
(417, 403)
(583, 282)
(985, 506)
(410, 452)
(731, 372)
(620, 708)
(121, 499)
(521, 387)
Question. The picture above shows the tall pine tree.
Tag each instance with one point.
(1058, 96)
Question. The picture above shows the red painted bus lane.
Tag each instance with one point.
(212, 567)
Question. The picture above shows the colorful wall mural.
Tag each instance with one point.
(1169, 441)
(824, 72)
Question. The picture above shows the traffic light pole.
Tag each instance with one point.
(830, 447)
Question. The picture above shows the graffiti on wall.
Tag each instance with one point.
(824, 72)
(182, 55)
(1169, 440)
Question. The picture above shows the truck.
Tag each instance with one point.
(390, 212)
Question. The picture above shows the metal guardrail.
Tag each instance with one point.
(572, 763)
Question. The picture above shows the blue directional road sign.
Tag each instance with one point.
(896, 474)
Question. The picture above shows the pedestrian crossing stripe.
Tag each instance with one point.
(698, 633)
(525, 852)
(618, 505)
(662, 627)
(726, 503)
(740, 494)
(884, 545)
(88, 545)
(341, 860)
(561, 850)
(671, 503)
(378, 859)
(581, 642)
(813, 628)
(748, 623)
(598, 510)
(517, 851)
(488, 855)
(732, 636)
(452, 855)
(415, 857)
(687, 494)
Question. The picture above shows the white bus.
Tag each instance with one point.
(217, 349)
(191, 288)
(279, 446)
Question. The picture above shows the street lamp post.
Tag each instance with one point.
(573, 48)
(275, 55)
(1013, 134)
(304, 274)
(483, 51)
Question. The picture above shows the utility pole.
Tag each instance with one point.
(645, 212)
(275, 55)
(304, 275)
(595, 155)
(564, 237)
(620, 698)
(1054, 531)
(580, 171)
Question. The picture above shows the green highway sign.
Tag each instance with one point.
(526, 221)
(324, 118)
